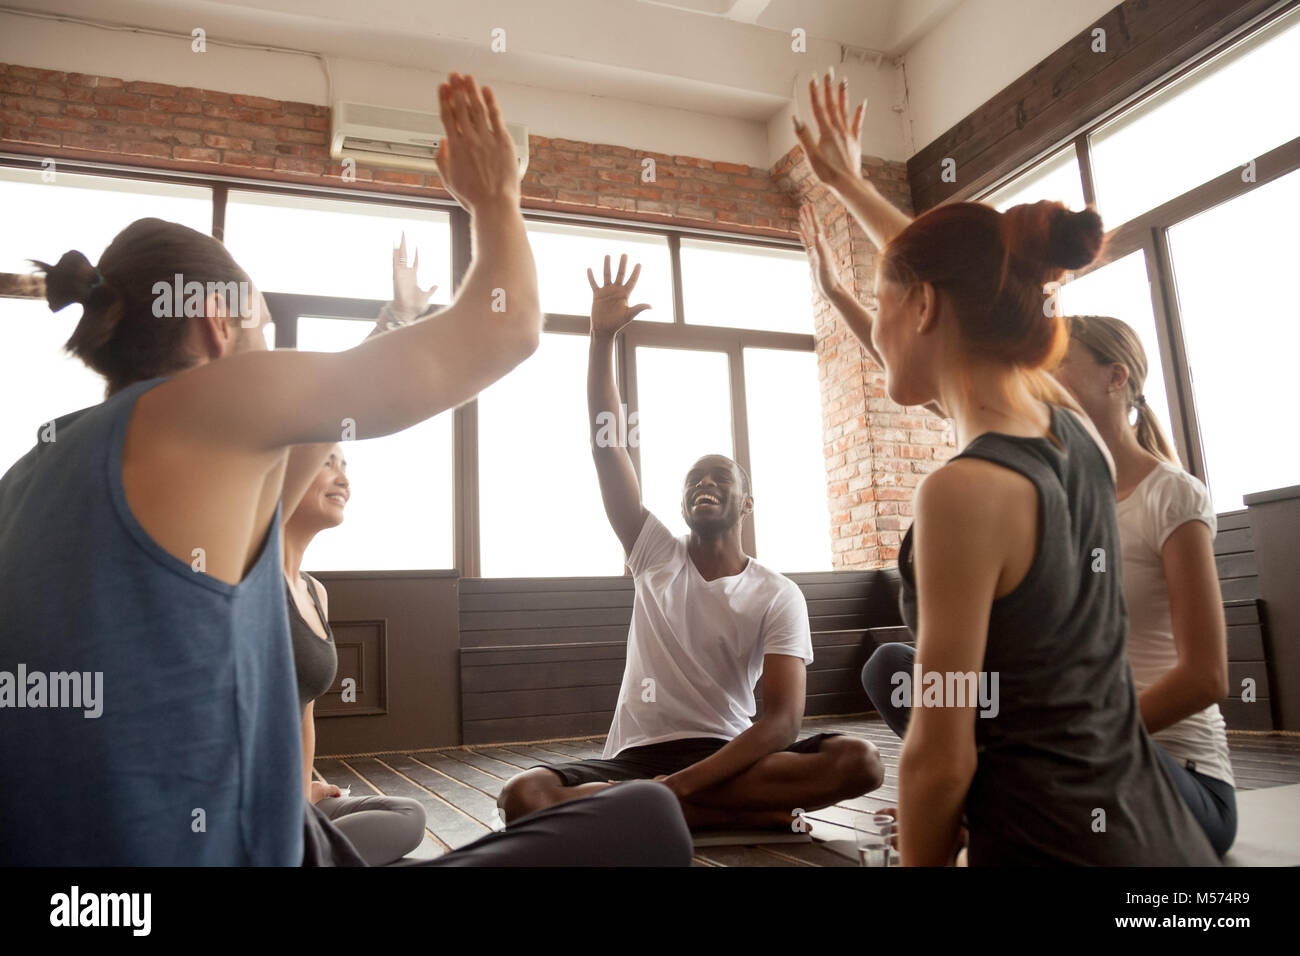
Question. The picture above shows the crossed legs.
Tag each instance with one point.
(766, 794)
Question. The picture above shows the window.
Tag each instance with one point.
(564, 253)
(1230, 110)
(1232, 266)
(332, 247)
(1056, 178)
(540, 510)
(746, 286)
(59, 211)
(72, 211)
(1122, 291)
(792, 528)
(399, 514)
(684, 405)
(38, 380)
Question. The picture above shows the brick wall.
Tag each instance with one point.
(875, 451)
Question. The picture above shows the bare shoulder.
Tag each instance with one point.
(320, 592)
(973, 491)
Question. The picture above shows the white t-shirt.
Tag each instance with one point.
(695, 647)
(1164, 500)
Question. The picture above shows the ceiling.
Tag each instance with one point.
(728, 57)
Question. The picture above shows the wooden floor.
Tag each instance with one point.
(458, 786)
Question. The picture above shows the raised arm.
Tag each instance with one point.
(619, 488)
(264, 401)
(836, 159)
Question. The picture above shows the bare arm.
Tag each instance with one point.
(784, 691)
(961, 544)
(1200, 677)
(855, 315)
(619, 488)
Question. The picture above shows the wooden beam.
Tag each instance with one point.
(15, 285)
(1074, 87)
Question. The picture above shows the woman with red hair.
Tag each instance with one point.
(1010, 577)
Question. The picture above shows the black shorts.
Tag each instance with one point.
(653, 760)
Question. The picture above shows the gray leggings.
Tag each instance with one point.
(382, 829)
(638, 823)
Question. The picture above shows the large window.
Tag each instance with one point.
(565, 252)
(47, 213)
(1227, 113)
(330, 247)
(746, 287)
(684, 403)
(1232, 265)
(540, 510)
(1193, 257)
(1122, 290)
(741, 313)
(399, 511)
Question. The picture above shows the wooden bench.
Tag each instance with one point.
(543, 657)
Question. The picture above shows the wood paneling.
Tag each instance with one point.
(1275, 529)
(1072, 88)
(543, 657)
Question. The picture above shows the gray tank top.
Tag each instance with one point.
(315, 661)
(1066, 771)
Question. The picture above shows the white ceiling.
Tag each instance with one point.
(726, 57)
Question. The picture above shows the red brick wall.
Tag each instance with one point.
(875, 451)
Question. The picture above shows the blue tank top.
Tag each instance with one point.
(195, 757)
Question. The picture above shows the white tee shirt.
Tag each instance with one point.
(1164, 500)
(695, 647)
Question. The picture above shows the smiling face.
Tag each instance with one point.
(715, 496)
(329, 493)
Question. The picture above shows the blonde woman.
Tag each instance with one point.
(1177, 638)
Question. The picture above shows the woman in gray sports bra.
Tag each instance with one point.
(1024, 722)
(382, 829)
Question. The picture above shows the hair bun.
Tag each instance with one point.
(1048, 238)
(1073, 238)
(71, 279)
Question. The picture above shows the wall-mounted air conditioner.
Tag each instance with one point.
(397, 138)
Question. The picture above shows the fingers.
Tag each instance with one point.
(637, 309)
(475, 109)
(494, 113)
(804, 135)
(819, 113)
(832, 110)
(591, 280)
(415, 263)
(607, 276)
(856, 130)
(622, 268)
(631, 280)
(447, 106)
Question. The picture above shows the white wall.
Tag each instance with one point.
(978, 50)
(754, 127)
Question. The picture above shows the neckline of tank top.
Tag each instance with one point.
(329, 631)
(1055, 414)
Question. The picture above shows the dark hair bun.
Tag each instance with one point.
(1073, 238)
(71, 279)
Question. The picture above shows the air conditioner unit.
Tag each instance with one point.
(397, 138)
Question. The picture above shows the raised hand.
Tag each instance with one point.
(819, 253)
(836, 154)
(609, 308)
(476, 159)
(408, 298)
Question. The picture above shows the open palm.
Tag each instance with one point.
(609, 308)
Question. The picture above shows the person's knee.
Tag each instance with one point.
(527, 792)
(413, 819)
(651, 813)
(878, 673)
(858, 766)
